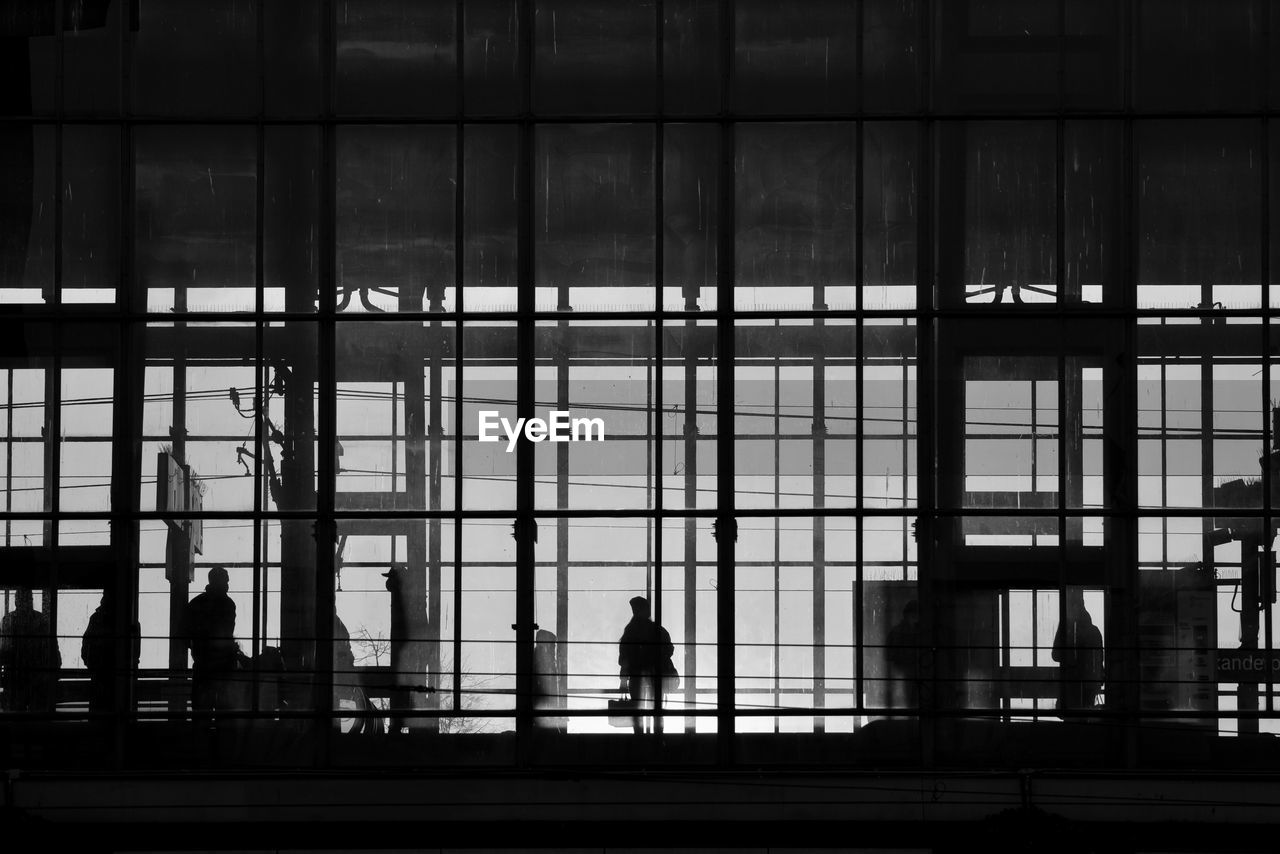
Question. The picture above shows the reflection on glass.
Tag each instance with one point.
(395, 226)
(594, 191)
(796, 414)
(90, 213)
(890, 213)
(489, 218)
(395, 57)
(690, 201)
(891, 55)
(794, 216)
(793, 59)
(1199, 214)
(195, 217)
(594, 56)
(488, 384)
(195, 60)
(1179, 38)
(794, 639)
(27, 214)
(599, 453)
(1003, 217)
(395, 422)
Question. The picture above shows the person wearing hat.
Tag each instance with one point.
(409, 633)
(209, 628)
(644, 657)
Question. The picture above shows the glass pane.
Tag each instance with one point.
(395, 57)
(595, 56)
(195, 218)
(27, 214)
(795, 414)
(794, 633)
(482, 660)
(31, 651)
(895, 657)
(598, 598)
(998, 217)
(594, 234)
(997, 54)
(889, 413)
(1201, 414)
(27, 57)
(488, 385)
(1093, 193)
(197, 60)
(489, 218)
(396, 191)
(491, 57)
(1199, 214)
(691, 56)
(690, 201)
(689, 423)
(188, 397)
(291, 57)
(91, 55)
(1192, 56)
(795, 216)
(891, 55)
(1178, 620)
(890, 214)
(291, 219)
(390, 592)
(396, 431)
(90, 213)
(595, 390)
(87, 430)
(1012, 432)
(1093, 54)
(795, 59)
(25, 389)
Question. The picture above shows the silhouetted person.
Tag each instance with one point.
(29, 657)
(98, 650)
(210, 630)
(546, 681)
(644, 657)
(346, 681)
(409, 633)
(903, 655)
(1077, 647)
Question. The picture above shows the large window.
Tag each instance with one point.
(897, 372)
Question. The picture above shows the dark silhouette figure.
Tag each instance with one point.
(903, 654)
(409, 633)
(98, 651)
(546, 681)
(348, 687)
(29, 658)
(210, 628)
(644, 659)
(1077, 647)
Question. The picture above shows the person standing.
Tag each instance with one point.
(210, 629)
(903, 654)
(29, 658)
(98, 652)
(1077, 647)
(644, 658)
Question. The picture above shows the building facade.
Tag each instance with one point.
(911, 360)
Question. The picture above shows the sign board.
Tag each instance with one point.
(195, 503)
(1247, 665)
(171, 483)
